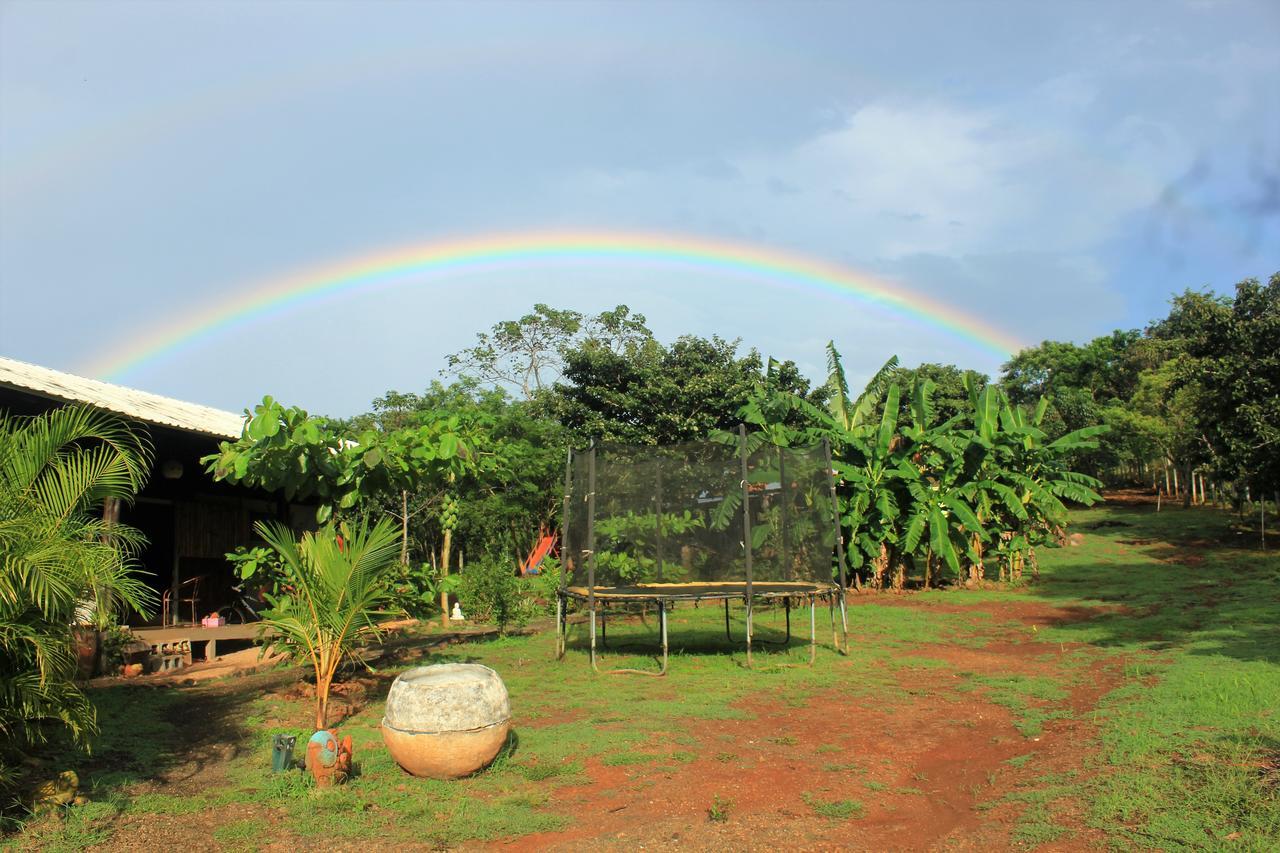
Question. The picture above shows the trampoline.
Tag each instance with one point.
(718, 521)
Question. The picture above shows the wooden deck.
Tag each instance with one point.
(193, 634)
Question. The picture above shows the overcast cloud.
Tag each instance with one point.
(1059, 170)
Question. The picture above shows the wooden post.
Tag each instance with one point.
(404, 527)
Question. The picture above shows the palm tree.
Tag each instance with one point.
(58, 556)
(338, 579)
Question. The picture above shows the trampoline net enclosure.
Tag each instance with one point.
(674, 516)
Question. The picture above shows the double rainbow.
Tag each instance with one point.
(425, 263)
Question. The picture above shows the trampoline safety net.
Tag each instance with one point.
(674, 515)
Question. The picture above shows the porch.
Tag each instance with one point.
(175, 646)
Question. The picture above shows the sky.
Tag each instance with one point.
(1054, 170)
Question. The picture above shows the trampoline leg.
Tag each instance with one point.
(727, 635)
(560, 627)
(594, 667)
(813, 630)
(844, 624)
(787, 604)
(835, 635)
(604, 629)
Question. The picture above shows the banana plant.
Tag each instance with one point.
(934, 474)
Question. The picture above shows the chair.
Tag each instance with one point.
(188, 593)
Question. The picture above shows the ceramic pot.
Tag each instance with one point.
(446, 721)
(87, 641)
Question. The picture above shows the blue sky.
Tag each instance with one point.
(1058, 169)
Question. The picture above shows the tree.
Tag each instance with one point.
(1229, 376)
(60, 558)
(948, 397)
(529, 353)
(914, 490)
(654, 394)
(338, 580)
(305, 457)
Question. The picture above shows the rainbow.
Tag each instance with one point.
(422, 262)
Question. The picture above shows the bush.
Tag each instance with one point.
(490, 591)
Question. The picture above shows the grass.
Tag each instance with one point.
(1195, 613)
(834, 809)
(1179, 606)
(241, 834)
(1028, 698)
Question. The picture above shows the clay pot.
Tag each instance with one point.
(87, 641)
(446, 721)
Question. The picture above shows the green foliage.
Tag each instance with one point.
(338, 581)
(306, 458)
(528, 353)
(60, 563)
(1198, 390)
(490, 591)
(256, 567)
(915, 491)
(645, 393)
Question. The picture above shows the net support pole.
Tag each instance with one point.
(746, 528)
(657, 500)
(662, 617)
(840, 561)
(562, 603)
(784, 498)
(591, 547)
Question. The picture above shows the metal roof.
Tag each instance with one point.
(129, 402)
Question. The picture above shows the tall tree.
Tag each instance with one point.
(648, 393)
(529, 353)
(1229, 376)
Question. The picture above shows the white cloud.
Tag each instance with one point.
(905, 172)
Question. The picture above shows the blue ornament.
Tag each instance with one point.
(327, 753)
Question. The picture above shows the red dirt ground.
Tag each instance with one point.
(932, 761)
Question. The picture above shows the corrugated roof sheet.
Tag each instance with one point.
(130, 402)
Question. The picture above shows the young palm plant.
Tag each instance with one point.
(338, 580)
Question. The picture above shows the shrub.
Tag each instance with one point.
(490, 591)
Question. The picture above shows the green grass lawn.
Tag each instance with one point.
(1187, 750)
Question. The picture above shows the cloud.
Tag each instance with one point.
(1015, 185)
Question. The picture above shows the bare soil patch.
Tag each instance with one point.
(921, 768)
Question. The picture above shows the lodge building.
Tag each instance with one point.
(190, 521)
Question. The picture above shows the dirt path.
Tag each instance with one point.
(928, 770)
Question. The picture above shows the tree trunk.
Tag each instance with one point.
(444, 573)
(322, 701)
(881, 566)
(1186, 495)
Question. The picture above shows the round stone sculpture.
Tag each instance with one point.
(446, 721)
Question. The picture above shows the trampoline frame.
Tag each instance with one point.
(665, 595)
